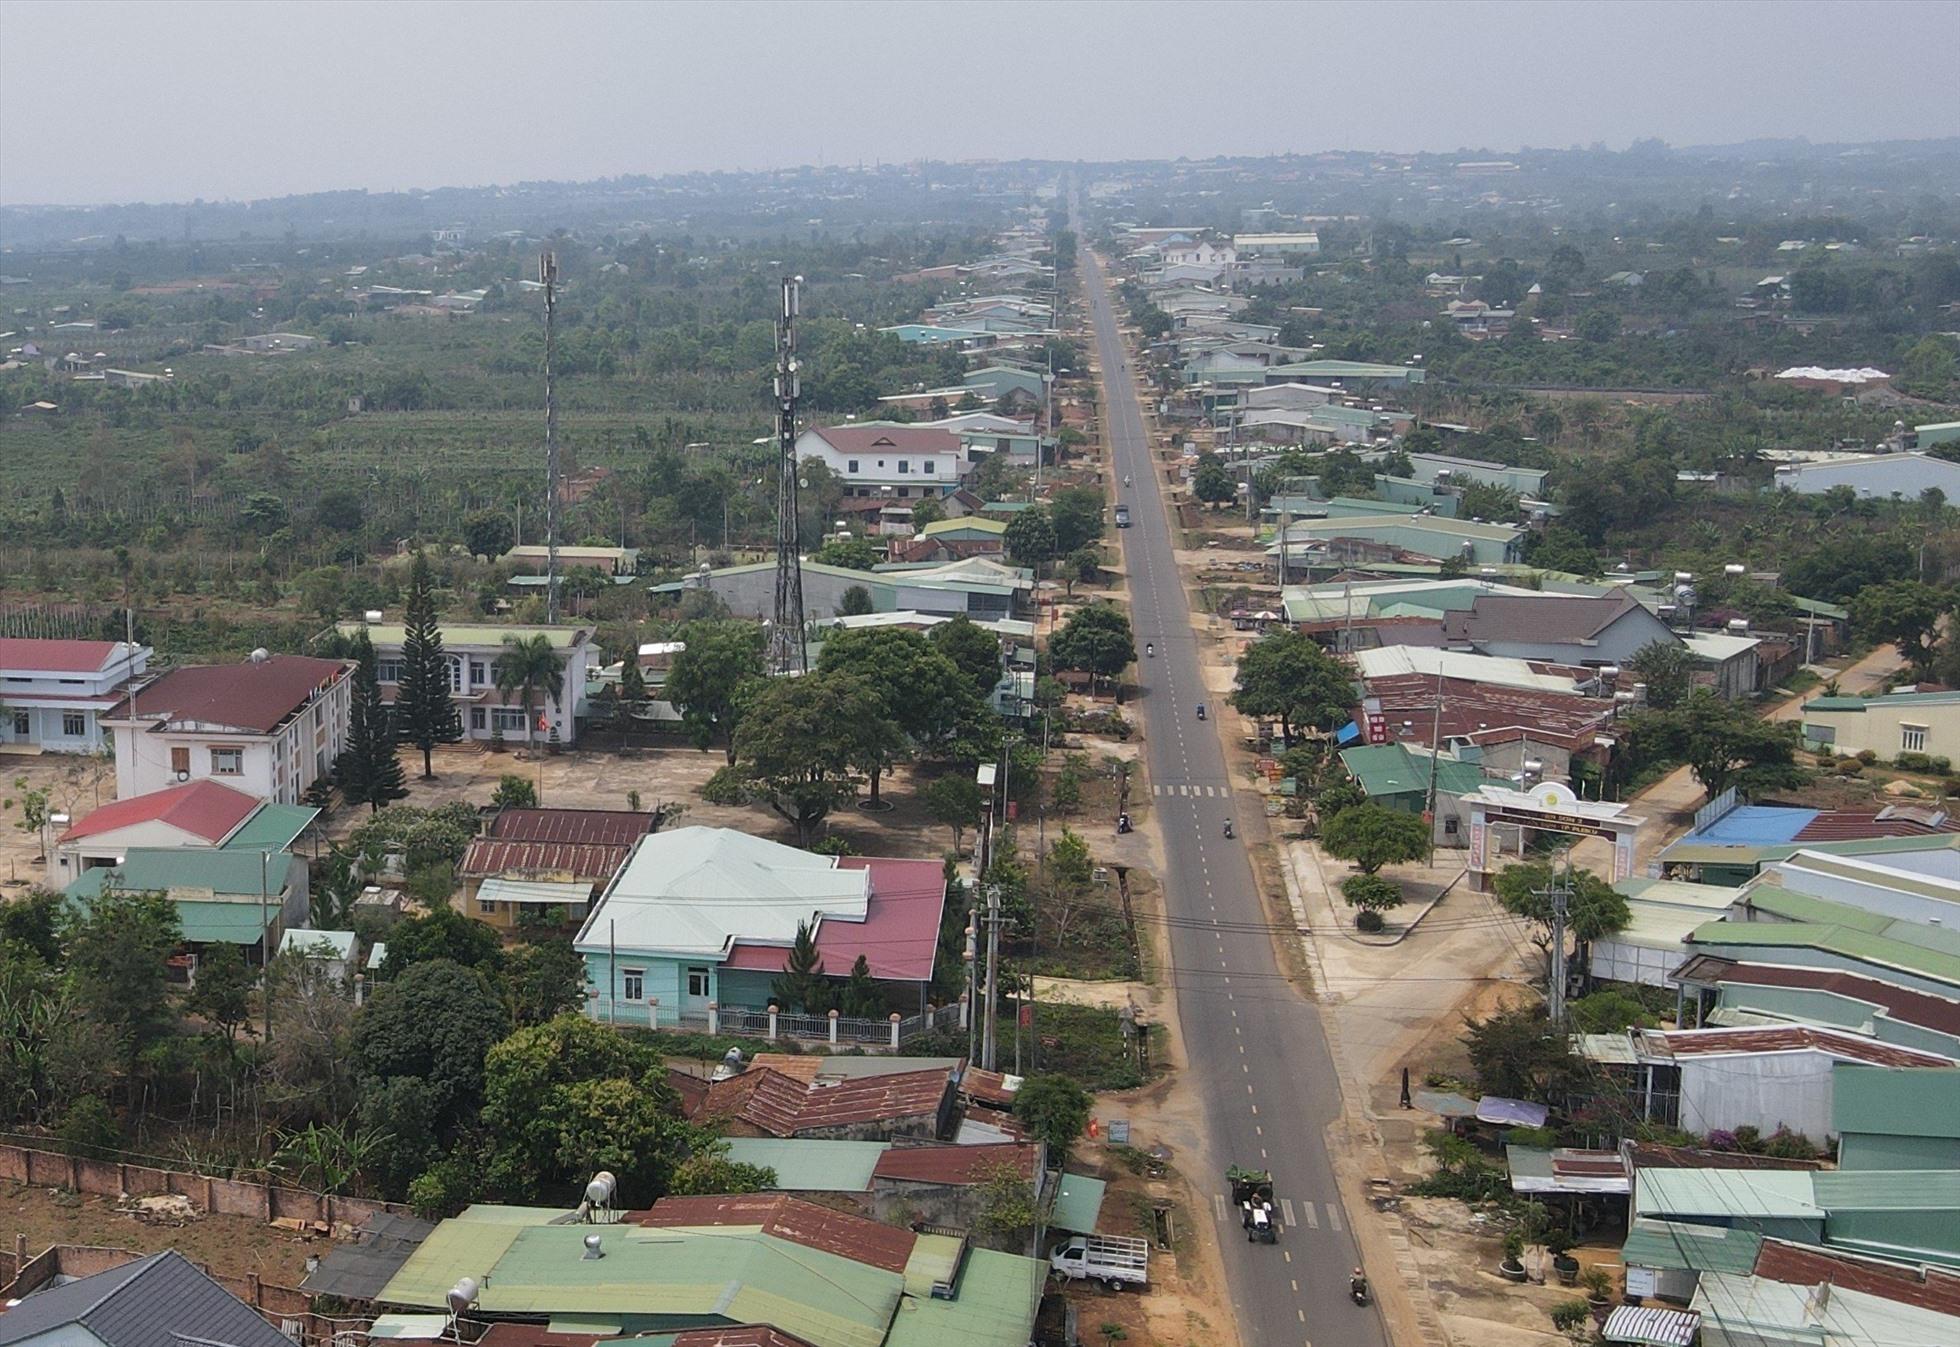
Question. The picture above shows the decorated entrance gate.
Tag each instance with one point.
(1552, 808)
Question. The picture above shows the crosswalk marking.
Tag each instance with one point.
(1286, 1209)
(1333, 1217)
(1218, 1201)
(1306, 1209)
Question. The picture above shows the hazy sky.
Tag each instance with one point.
(171, 99)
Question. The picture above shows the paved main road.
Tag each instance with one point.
(1256, 1052)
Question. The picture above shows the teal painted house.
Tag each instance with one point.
(706, 917)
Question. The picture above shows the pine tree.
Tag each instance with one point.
(426, 712)
(861, 998)
(802, 988)
(632, 693)
(368, 770)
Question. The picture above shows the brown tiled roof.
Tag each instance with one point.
(1487, 713)
(892, 439)
(488, 857)
(1681, 1043)
(791, 1219)
(249, 697)
(1909, 1007)
(1800, 1265)
(584, 827)
(1648, 1155)
(784, 1106)
(959, 1166)
(693, 1091)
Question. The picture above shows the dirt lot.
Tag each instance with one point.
(231, 1245)
(76, 783)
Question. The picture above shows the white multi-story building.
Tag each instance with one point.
(269, 726)
(53, 693)
(471, 652)
(909, 462)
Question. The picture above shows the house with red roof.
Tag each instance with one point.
(705, 918)
(196, 814)
(270, 726)
(887, 459)
(53, 693)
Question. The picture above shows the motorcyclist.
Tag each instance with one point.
(1228, 827)
(1126, 479)
(1149, 649)
(1358, 1286)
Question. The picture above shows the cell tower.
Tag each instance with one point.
(786, 652)
(548, 277)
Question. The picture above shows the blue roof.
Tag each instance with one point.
(1348, 733)
(1754, 825)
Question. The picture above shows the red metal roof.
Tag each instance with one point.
(488, 858)
(783, 1106)
(252, 697)
(899, 936)
(738, 1335)
(959, 1166)
(1909, 1007)
(791, 1219)
(205, 809)
(1850, 825)
(30, 655)
(988, 1087)
(1650, 1155)
(584, 827)
(1801, 1265)
(1680, 1043)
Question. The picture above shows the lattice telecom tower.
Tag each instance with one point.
(786, 651)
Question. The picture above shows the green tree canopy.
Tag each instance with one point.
(974, 650)
(1723, 744)
(435, 1023)
(1288, 675)
(527, 667)
(1371, 836)
(1076, 514)
(1212, 482)
(1055, 1109)
(1905, 613)
(443, 934)
(1030, 538)
(798, 740)
(954, 801)
(855, 554)
(707, 678)
(425, 711)
(1096, 640)
(1668, 670)
(1593, 910)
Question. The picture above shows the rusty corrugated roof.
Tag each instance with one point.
(783, 1106)
(956, 1165)
(791, 1219)
(1925, 1287)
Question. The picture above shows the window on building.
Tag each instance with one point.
(487, 906)
(633, 984)
(74, 724)
(479, 673)
(180, 761)
(851, 465)
(509, 719)
(904, 466)
(479, 718)
(928, 467)
(388, 670)
(455, 673)
(227, 762)
(697, 982)
(23, 724)
(1912, 738)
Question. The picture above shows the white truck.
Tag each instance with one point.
(1114, 1260)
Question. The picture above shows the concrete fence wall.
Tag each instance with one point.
(228, 1197)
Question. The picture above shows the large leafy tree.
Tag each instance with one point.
(1030, 538)
(1055, 1109)
(424, 709)
(710, 1172)
(1593, 909)
(443, 934)
(369, 771)
(1371, 836)
(567, 1098)
(1096, 640)
(1905, 613)
(973, 649)
(1723, 744)
(954, 800)
(529, 666)
(920, 690)
(222, 994)
(799, 739)
(1287, 675)
(116, 964)
(1668, 670)
(434, 1023)
(1075, 513)
(1212, 482)
(707, 678)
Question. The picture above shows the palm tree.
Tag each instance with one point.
(527, 667)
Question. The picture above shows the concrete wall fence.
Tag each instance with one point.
(227, 1197)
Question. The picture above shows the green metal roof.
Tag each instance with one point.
(1391, 769)
(1895, 1100)
(736, 1275)
(1861, 704)
(1078, 1202)
(805, 1164)
(934, 1261)
(1831, 939)
(1682, 1244)
(1752, 1193)
(1887, 1189)
(196, 869)
(1712, 853)
(272, 827)
(995, 1306)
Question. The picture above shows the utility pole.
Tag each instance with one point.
(990, 1045)
(548, 275)
(1435, 753)
(1560, 892)
(786, 651)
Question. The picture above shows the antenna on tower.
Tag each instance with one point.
(548, 277)
(786, 652)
